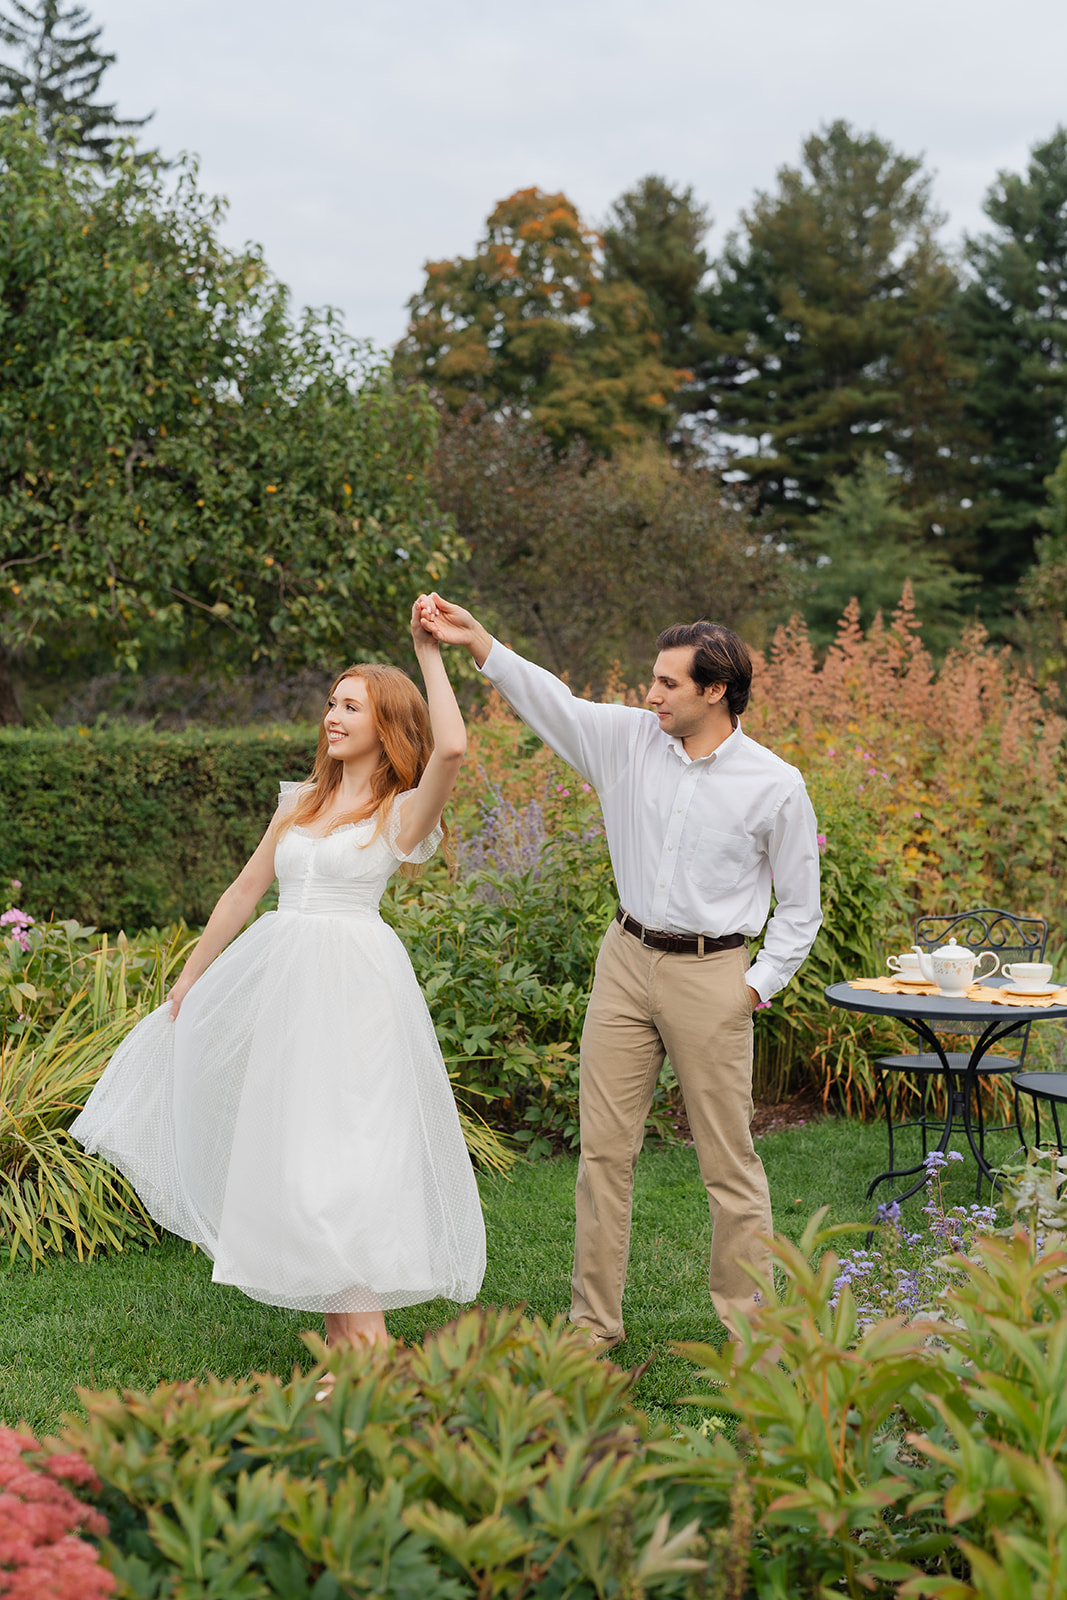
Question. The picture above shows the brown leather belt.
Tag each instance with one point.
(679, 944)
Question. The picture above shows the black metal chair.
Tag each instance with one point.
(1012, 938)
(1047, 1086)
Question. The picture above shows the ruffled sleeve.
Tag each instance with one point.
(391, 831)
(288, 795)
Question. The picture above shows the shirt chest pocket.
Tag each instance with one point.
(717, 860)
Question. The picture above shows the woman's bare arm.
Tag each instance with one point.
(235, 905)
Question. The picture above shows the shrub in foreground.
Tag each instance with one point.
(926, 1459)
(498, 1459)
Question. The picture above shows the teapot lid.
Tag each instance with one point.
(953, 949)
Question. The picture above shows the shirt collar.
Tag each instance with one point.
(731, 741)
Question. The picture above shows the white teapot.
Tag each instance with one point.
(953, 968)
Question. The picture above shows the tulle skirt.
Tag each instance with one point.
(297, 1122)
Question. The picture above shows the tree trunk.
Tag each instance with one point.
(10, 714)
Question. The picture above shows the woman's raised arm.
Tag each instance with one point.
(422, 811)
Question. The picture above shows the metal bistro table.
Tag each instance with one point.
(921, 1013)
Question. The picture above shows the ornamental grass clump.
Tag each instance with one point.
(68, 997)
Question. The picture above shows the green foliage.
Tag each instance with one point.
(1013, 322)
(530, 323)
(126, 828)
(59, 961)
(504, 961)
(181, 467)
(829, 334)
(655, 239)
(865, 543)
(1044, 586)
(67, 1000)
(584, 561)
(890, 1462)
(61, 78)
(498, 1459)
(863, 898)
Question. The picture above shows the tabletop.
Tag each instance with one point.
(934, 1008)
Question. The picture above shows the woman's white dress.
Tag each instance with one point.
(297, 1121)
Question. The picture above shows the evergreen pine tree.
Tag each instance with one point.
(1014, 317)
(59, 75)
(866, 543)
(655, 238)
(829, 319)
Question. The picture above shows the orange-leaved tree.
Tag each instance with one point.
(529, 323)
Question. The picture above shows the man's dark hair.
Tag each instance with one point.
(719, 656)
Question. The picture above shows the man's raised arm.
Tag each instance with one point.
(592, 738)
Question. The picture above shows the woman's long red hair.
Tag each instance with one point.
(402, 720)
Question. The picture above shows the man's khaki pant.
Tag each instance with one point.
(696, 1009)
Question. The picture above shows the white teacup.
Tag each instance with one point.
(1031, 974)
(907, 964)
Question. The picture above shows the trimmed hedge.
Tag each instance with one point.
(125, 827)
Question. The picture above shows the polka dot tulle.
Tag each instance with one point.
(296, 1121)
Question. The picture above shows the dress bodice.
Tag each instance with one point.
(337, 874)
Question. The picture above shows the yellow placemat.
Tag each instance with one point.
(887, 985)
(1008, 997)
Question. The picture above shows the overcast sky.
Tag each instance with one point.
(355, 140)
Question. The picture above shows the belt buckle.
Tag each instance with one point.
(644, 940)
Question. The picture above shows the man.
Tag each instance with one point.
(699, 819)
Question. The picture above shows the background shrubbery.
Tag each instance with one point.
(127, 828)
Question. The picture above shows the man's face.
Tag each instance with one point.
(682, 707)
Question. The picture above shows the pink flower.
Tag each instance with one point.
(820, 840)
(18, 922)
(586, 789)
(16, 883)
(762, 1005)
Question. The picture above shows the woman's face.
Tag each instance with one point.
(349, 722)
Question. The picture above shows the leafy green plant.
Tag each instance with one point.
(889, 1458)
(840, 1502)
(500, 1458)
(55, 962)
(504, 960)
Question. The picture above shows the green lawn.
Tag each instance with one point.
(134, 1320)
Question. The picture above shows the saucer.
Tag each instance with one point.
(908, 977)
(1037, 990)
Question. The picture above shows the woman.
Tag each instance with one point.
(288, 1108)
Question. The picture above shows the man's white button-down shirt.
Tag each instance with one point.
(694, 843)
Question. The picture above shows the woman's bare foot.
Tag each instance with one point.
(355, 1328)
(352, 1328)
